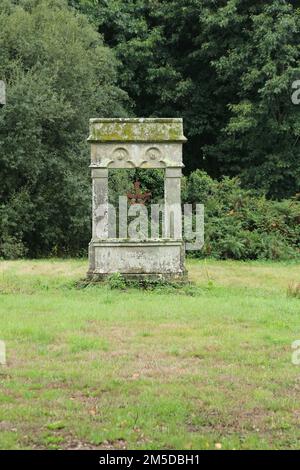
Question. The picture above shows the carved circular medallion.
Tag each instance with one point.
(153, 153)
(120, 154)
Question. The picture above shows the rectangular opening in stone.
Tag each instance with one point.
(138, 186)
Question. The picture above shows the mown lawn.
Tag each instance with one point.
(198, 368)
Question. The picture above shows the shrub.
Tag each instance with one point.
(116, 281)
(241, 224)
(12, 248)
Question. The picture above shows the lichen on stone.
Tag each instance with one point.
(136, 130)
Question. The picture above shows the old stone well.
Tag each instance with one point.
(137, 143)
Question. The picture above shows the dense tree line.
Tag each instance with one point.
(225, 66)
(58, 74)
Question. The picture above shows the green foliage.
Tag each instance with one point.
(240, 224)
(226, 67)
(58, 75)
(121, 182)
(116, 281)
(259, 55)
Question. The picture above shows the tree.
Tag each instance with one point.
(255, 46)
(226, 66)
(58, 75)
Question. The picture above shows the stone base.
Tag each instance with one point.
(161, 259)
(180, 278)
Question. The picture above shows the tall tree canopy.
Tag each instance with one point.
(227, 67)
(58, 75)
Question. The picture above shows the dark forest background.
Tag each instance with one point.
(225, 66)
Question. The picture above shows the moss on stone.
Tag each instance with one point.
(135, 130)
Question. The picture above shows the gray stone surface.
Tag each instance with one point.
(136, 257)
(136, 155)
(132, 143)
(136, 130)
(2, 353)
(2, 93)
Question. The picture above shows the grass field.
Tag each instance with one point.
(197, 368)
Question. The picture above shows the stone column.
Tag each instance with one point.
(100, 203)
(173, 217)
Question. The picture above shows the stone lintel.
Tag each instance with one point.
(136, 130)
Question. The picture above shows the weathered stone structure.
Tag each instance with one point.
(132, 143)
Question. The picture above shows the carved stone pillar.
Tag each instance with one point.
(173, 214)
(100, 203)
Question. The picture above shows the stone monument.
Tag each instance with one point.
(137, 143)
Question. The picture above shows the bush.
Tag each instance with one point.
(12, 248)
(116, 281)
(241, 224)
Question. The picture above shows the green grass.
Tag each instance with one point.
(187, 369)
